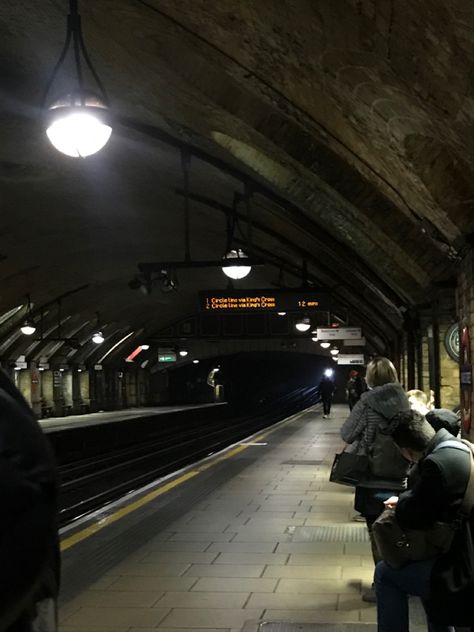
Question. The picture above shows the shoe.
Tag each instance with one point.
(369, 595)
(358, 518)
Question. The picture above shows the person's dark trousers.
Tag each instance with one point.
(393, 586)
(326, 404)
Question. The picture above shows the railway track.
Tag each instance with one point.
(105, 471)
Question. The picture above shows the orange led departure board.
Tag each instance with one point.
(262, 300)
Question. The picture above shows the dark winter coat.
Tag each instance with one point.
(375, 409)
(28, 498)
(326, 387)
(439, 488)
(437, 495)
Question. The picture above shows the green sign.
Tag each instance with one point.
(167, 357)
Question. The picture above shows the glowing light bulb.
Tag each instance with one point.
(98, 338)
(78, 125)
(236, 272)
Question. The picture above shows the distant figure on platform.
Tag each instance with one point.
(354, 388)
(326, 390)
(29, 550)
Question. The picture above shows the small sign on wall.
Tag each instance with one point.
(339, 333)
(351, 358)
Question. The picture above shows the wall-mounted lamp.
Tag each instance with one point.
(77, 123)
(28, 328)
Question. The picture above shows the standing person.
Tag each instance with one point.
(29, 551)
(438, 490)
(354, 388)
(363, 429)
(326, 390)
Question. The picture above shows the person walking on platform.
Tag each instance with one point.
(29, 545)
(326, 391)
(354, 388)
(443, 472)
(363, 430)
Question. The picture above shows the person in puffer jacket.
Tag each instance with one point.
(364, 431)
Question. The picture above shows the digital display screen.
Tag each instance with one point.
(262, 301)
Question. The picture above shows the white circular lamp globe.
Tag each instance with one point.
(98, 338)
(78, 126)
(303, 325)
(28, 329)
(236, 272)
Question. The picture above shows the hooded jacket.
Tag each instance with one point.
(375, 409)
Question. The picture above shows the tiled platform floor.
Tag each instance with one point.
(229, 562)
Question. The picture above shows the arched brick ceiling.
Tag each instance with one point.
(352, 120)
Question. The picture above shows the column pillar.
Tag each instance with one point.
(465, 305)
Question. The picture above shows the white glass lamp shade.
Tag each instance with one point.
(195, 361)
(144, 347)
(98, 338)
(325, 345)
(334, 352)
(28, 329)
(303, 325)
(281, 313)
(239, 271)
(183, 353)
(314, 339)
(78, 126)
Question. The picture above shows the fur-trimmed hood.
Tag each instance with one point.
(387, 400)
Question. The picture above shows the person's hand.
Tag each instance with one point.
(391, 502)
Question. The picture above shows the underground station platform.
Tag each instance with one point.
(253, 539)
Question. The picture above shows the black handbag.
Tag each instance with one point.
(349, 468)
(398, 546)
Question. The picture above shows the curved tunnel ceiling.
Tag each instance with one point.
(350, 123)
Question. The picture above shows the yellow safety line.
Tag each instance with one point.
(124, 511)
(74, 539)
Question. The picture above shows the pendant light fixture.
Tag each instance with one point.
(78, 122)
(97, 336)
(28, 328)
(234, 265)
(236, 269)
(325, 345)
(303, 324)
(334, 351)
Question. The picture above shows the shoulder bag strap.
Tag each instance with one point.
(465, 446)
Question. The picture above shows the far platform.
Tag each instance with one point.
(54, 424)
